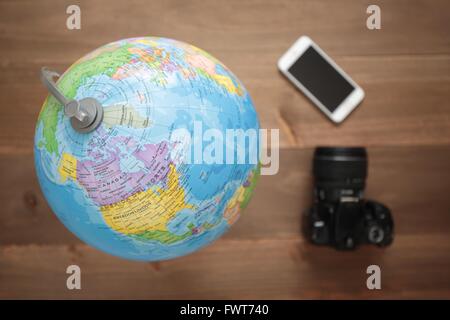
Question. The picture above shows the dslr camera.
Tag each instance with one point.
(340, 216)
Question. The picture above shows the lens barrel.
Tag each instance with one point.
(340, 167)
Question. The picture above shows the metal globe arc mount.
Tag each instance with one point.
(85, 114)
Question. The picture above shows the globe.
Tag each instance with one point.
(129, 188)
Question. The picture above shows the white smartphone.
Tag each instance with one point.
(320, 79)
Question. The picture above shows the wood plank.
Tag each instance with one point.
(406, 104)
(415, 267)
(413, 182)
(37, 30)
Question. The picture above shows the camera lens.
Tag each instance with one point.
(344, 167)
(340, 216)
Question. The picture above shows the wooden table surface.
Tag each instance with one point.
(404, 120)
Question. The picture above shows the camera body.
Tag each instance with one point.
(340, 216)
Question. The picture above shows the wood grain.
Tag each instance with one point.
(230, 269)
(404, 69)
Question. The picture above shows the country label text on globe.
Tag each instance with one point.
(120, 188)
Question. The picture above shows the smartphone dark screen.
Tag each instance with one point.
(321, 79)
